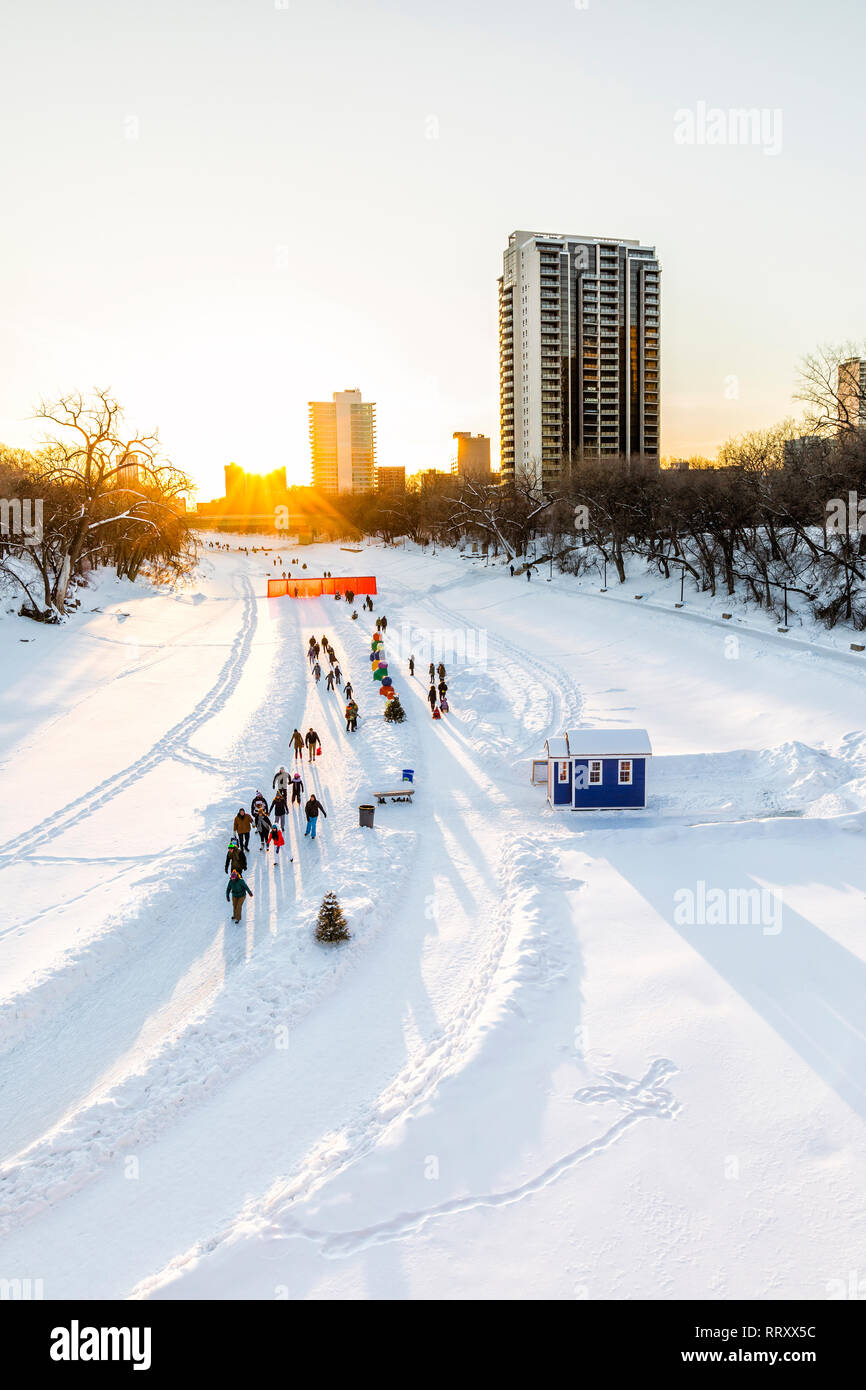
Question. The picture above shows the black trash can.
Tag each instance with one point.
(365, 816)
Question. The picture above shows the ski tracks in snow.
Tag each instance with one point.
(174, 743)
(646, 1098)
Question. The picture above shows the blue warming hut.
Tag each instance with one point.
(596, 769)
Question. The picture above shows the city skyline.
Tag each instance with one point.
(218, 268)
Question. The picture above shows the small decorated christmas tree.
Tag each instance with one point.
(394, 711)
(331, 923)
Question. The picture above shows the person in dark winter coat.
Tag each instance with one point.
(317, 672)
(259, 800)
(432, 673)
(411, 665)
(443, 689)
(351, 717)
(297, 742)
(312, 742)
(297, 788)
(329, 680)
(279, 808)
(263, 826)
(243, 824)
(440, 671)
(311, 811)
(431, 697)
(384, 624)
(237, 889)
(511, 567)
(235, 859)
(349, 688)
(338, 675)
(528, 574)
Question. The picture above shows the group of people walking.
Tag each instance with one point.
(333, 679)
(269, 821)
(310, 741)
(270, 831)
(437, 695)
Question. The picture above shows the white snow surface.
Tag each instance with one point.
(524, 1076)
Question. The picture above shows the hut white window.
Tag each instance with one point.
(563, 770)
(625, 772)
(594, 772)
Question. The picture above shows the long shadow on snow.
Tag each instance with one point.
(807, 987)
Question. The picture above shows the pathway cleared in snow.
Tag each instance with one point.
(192, 1109)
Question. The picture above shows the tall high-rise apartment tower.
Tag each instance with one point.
(343, 443)
(578, 352)
(851, 393)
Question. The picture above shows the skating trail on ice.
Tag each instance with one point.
(190, 1108)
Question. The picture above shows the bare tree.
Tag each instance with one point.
(122, 488)
(833, 388)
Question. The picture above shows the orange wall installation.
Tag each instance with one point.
(315, 588)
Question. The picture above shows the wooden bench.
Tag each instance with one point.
(404, 794)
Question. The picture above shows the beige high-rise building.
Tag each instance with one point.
(851, 393)
(391, 479)
(343, 443)
(473, 455)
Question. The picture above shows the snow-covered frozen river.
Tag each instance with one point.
(525, 1076)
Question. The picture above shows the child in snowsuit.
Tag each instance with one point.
(297, 788)
(276, 837)
(235, 859)
(237, 889)
(431, 697)
(443, 705)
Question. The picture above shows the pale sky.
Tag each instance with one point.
(222, 210)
